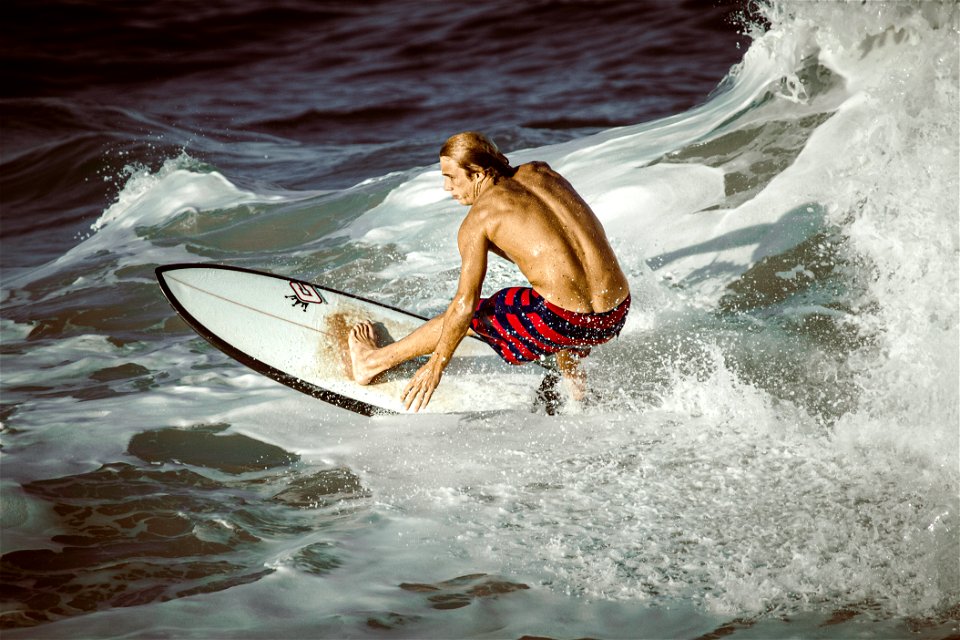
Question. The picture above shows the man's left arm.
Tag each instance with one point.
(473, 244)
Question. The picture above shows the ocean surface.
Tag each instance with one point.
(774, 451)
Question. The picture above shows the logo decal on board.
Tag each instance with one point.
(304, 294)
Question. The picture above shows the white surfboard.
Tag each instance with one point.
(296, 333)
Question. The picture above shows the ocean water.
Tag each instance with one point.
(775, 448)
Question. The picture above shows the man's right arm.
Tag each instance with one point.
(473, 244)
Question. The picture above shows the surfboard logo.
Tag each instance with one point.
(303, 295)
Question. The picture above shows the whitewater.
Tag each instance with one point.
(775, 451)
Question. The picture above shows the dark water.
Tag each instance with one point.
(319, 95)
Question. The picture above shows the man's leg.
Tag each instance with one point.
(569, 365)
(369, 359)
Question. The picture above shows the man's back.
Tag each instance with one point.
(537, 220)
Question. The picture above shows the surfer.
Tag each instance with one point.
(578, 295)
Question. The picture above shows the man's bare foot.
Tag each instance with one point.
(363, 343)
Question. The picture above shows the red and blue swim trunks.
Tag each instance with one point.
(521, 325)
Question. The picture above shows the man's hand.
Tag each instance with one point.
(420, 388)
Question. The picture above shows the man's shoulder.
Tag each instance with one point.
(505, 196)
(534, 166)
(536, 174)
(504, 199)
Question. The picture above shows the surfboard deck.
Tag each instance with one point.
(296, 332)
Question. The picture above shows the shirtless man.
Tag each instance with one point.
(531, 216)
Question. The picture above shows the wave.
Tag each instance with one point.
(717, 202)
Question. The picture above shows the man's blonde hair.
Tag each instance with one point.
(475, 152)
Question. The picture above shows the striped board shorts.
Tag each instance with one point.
(521, 325)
